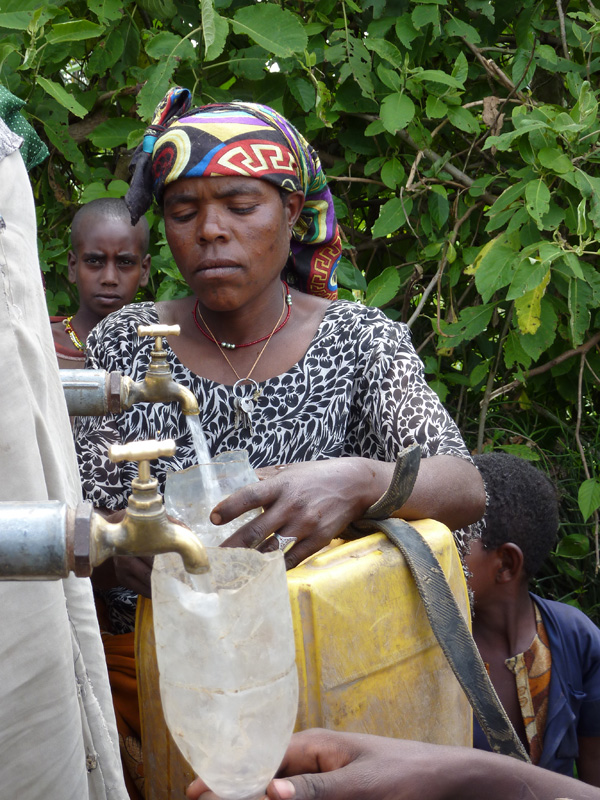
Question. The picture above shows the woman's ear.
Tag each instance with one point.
(294, 203)
(511, 563)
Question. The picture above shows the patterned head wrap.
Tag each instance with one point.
(243, 140)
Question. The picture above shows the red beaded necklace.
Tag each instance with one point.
(229, 345)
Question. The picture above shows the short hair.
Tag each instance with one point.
(109, 208)
(522, 507)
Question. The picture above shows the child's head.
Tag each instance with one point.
(109, 259)
(522, 508)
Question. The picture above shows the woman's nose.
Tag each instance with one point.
(211, 225)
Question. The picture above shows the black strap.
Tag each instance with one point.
(451, 632)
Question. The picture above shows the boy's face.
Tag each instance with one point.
(483, 566)
(108, 264)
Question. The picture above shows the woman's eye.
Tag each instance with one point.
(244, 209)
(182, 216)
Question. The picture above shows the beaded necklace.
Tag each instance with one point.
(229, 345)
(72, 335)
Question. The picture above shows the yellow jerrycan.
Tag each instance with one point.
(366, 656)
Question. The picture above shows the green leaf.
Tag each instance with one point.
(61, 96)
(397, 110)
(472, 321)
(537, 199)
(280, 32)
(493, 268)
(591, 276)
(109, 10)
(166, 45)
(586, 108)
(392, 173)
(479, 373)
(438, 205)
(436, 76)
(573, 263)
(156, 87)
(383, 288)
(392, 216)
(74, 31)
(424, 15)
(460, 70)
(530, 272)
(554, 159)
(580, 299)
(462, 119)
(58, 135)
(389, 78)
(304, 92)
(513, 351)
(16, 20)
(115, 132)
(96, 189)
(350, 277)
(435, 108)
(507, 197)
(574, 545)
(388, 51)
(218, 45)
(456, 27)
(406, 31)
(588, 497)
(207, 10)
(106, 53)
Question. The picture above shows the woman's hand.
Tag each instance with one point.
(312, 501)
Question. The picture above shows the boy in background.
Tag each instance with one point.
(108, 262)
(543, 657)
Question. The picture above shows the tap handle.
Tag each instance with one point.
(141, 451)
(158, 331)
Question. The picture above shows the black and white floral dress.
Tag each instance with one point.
(358, 391)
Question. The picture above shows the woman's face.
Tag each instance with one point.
(230, 236)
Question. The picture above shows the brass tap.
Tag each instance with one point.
(145, 529)
(158, 385)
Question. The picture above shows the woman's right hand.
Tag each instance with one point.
(312, 501)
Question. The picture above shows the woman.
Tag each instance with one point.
(334, 391)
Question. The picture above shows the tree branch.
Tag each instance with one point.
(582, 349)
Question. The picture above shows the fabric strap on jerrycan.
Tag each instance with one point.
(447, 623)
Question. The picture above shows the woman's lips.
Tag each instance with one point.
(215, 269)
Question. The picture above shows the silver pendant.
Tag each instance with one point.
(243, 403)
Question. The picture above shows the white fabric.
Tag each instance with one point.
(58, 736)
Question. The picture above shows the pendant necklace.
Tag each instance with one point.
(243, 403)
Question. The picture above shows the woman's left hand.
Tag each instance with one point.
(313, 502)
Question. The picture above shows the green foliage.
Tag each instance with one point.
(461, 138)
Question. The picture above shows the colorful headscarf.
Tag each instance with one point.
(244, 140)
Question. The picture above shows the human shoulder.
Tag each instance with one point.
(366, 320)
(570, 622)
